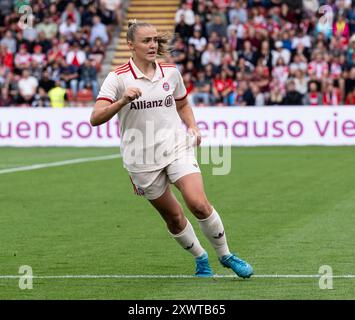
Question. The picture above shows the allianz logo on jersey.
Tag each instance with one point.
(143, 104)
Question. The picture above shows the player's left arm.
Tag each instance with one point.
(187, 116)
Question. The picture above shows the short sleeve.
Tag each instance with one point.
(180, 91)
(111, 89)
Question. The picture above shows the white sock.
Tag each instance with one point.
(213, 229)
(188, 240)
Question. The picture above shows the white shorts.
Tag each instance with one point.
(152, 184)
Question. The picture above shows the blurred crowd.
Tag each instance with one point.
(266, 52)
(230, 52)
(52, 50)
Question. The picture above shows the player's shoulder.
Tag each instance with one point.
(169, 68)
(167, 64)
(121, 70)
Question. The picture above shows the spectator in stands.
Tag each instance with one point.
(313, 97)
(5, 99)
(30, 35)
(247, 97)
(350, 98)
(36, 69)
(280, 52)
(88, 16)
(200, 26)
(318, 66)
(47, 26)
(55, 54)
(239, 11)
(299, 63)
(88, 78)
(178, 53)
(185, 14)
(276, 97)
(261, 77)
(280, 72)
(12, 84)
(22, 58)
(258, 96)
(69, 77)
(331, 94)
(111, 13)
(38, 56)
(194, 58)
(292, 97)
(9, 41)
(341, 28)
(27, 88)
(46, 83)
(41, 99)
(301, 81)
(57, 96)
(54, 14)
(42, 41)
(202, 90)
(248, 53)
(350, 81)
(6, 57)
(98, 30)
(72, 13)
(211, 55)
(222, 87)
(76, 57)
(184, 30)
(233, 39)
(97, 53)
(198, 42)
(217, 26)
(350, 54)
(68, 27)
(264, 55)
(4, 71)
(301, 38)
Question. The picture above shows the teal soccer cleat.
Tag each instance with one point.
(239, 266)
(203, 268)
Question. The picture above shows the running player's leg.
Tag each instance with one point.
(192, 190)
(181, 230)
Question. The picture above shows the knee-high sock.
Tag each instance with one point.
(188, 240)
(213, 229)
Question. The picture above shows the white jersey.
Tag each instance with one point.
(151, 130)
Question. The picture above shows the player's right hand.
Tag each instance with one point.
(131, 94)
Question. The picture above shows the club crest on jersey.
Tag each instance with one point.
(166, 86)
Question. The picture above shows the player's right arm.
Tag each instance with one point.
(104, 110)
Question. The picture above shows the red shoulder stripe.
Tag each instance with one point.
(122, 67)
(122, 71)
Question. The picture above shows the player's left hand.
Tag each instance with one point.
(195, 132)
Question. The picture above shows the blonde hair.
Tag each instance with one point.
(163, 39)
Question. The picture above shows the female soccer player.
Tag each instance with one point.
(150, 100)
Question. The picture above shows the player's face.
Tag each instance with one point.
(145, 44)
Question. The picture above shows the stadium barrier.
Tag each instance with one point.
(252, 126)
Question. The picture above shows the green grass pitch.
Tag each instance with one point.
(286, 210)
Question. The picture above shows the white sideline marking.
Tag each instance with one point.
(59, 163)
(177, 276)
